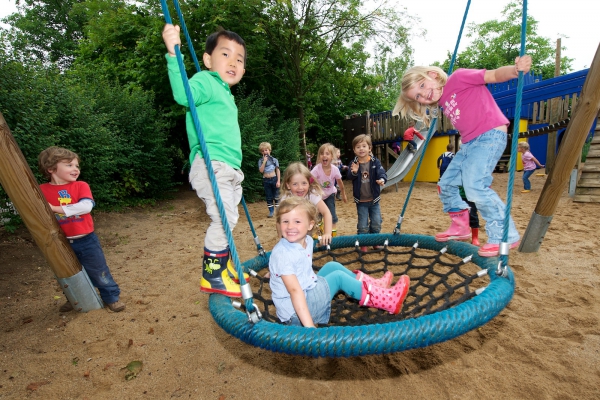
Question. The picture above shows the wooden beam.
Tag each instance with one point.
(581, 121)
(23, 190)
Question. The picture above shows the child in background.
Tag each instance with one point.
(368, 176)
(327, 176)
(468, 104)
(269, 168)
(303, 298)
(444, 160)
(225, 58)
(71, 201)
(529, 165)
(297, 182)
(409, 136)
(309, 160)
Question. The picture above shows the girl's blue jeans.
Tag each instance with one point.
(526, 175)
(472, 168)
(90, 255)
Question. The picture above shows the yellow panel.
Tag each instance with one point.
(522, 128)
(429, 171)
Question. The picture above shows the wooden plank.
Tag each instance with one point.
(534, 116)
(591, 167)
(590, 182)
(586, 198)
(595, 191)
(542, 113)
(593, 152)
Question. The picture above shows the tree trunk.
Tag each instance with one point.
(302, 132)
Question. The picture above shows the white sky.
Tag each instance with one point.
(575, 21)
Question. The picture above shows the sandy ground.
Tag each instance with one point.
(544, 345)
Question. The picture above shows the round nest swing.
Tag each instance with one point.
(449, 296)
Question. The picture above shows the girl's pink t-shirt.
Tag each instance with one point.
(528, 163)
(469, 105)
(327, 182)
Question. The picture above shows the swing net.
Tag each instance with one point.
(451, 293)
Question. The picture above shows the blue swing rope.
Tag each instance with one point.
(505, 246)
(188, 39)
(431, 126)
(245, 288)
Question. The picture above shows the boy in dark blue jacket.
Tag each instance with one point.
(367, 176)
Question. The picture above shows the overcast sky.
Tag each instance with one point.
(575, 21)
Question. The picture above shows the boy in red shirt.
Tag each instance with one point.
(71, 201)
(409, 136)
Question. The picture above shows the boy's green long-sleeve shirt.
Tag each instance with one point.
(217, 112)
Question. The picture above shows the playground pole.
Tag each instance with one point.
(581, 121)
(23, 190)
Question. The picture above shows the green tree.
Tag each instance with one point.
(306, 36)
(46, 31)
(498, 42)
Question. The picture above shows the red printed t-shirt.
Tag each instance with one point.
(71, 193)
(469, 105)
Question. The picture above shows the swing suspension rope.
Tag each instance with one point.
(253, 313)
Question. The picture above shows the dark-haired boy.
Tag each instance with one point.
(225, 59)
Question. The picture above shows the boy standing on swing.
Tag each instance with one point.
(225, 59)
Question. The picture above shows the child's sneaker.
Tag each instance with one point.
(117, 306)
(364, 249)
(492, 250)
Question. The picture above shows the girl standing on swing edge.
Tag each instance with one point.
(469, 105)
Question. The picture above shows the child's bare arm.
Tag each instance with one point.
(278, 173)
(298, 300)
(171, 38)
(327, 222)
(508, 72)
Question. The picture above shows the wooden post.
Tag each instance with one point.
(554, 116)
(22, 188)
(577, 130)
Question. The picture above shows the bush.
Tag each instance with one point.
(120, 138)
(262, 124)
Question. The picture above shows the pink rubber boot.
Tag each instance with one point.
(385, 281)
(459, 229)
(475, 236)
(390, 299)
